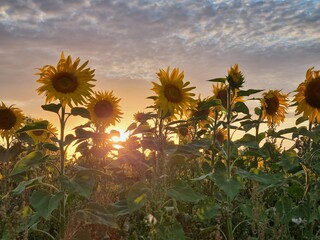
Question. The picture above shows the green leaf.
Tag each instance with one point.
(268, 180)
(210, 103)
(231, 187)
(284, 208)
(301, 120)
(222, 80)
(82, 183)
(119, 208)
(247, 210)
(41, 125)
(94, 213)
(23, 185)
(69, 139)
(248, 140)
(132, 127)
(137, 196)
(52, 107)
(289, 160)
(171, 231)
(248, 92)
(257, 111)
(181, 191)
(27, 162)
(207, 209)
(80, 111)
(44, 202)
(51, 147)
(241, 107)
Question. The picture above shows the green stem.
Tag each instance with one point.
(62, 171)
(229, 213)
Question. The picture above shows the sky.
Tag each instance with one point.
(127, 42)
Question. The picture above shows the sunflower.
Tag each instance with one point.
(220, 91)
(221, 135)
(104, 109)
(11, 119)
(274, 106)
(173, 94)
(39, 136)
(235, 77)
(67, 82)
(308, 96)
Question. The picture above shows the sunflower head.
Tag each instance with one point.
(39, 136)
(274, 106)
(235, 77)
(173, 95)
(104, 109)
(308, 96)
(200, 110)
(67, 82)
(140, 117)
(220, 91)
(221, 135)
(11, 119)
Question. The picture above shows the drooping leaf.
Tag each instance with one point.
(52, 107)
(44, 202)
(41, 125)
(119, 208)
(23, 185)
(93, 213)
(27, 162)
(181, 191)
(131, 127)
(80, 111)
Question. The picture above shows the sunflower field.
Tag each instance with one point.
(191, 168)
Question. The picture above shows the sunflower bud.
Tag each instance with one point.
(235, 77)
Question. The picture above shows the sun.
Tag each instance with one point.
(120, 138)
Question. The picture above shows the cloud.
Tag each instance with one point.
(274, 42)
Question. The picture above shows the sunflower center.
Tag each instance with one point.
(38, 132)
(312, 93)
(172, 93)
(220, 137)
(222, 95)
(103, 109)
(272, 105)
(7, 119)
(65, 82)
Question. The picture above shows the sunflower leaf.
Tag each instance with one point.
(50, 147)
(41, 125)
(80, 111)
(27, 162)
(241, 107)
(44, 202)
(51, 107)
(181, 191)
(222, 80)
(248, 92)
